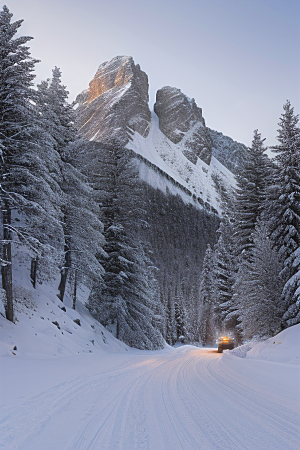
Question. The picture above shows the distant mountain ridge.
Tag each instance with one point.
(174, 137)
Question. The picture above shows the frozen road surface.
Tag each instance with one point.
(188, 398)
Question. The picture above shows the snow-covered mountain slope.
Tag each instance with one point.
(45, 327)
(169, 157)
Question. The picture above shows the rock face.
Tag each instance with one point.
(117, 98)
(181, 120)
(230, 153)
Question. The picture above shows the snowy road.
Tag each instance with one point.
(184, 399)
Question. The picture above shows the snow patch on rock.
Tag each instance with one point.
(169, 157)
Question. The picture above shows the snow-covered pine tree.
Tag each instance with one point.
(57, 114)
(126, 297)
(170, 312)
(225, 266)
(259, 288)
(29, 194)
(180, 319)
(250, 194)
(83, 238)
(16, 67)
(58, 119)
(83, 233)
(283, 205)
(207, 328)
(190, 311)
(224, 277)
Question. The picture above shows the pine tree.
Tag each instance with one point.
(250, 194)
(207, 329)
(224, 273)
(259, 286)
(171, 331)
(126, 295)
(284, 210)
(83, 237)
(226, 307)
(16, 68)
(83, 233)
(180, 319)
(29, 200)
(225, 266)
(58, 115)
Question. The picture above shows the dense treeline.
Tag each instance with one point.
(178, 234)
(126, 296)
(255, 272)
(48, 212)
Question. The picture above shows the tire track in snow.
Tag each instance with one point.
(269, 417)
(111, 433)
(23, 426)
(182, 400)
(213, 433)
(240, 413)
(97, 433)
(27, 422)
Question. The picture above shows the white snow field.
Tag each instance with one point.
(86, 390)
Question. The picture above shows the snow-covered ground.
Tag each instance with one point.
(77, 387)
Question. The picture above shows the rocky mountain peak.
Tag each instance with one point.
(181, 120)
(117, 98)
(173, 145)
(115, 73)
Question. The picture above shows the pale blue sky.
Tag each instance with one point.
(239, 59)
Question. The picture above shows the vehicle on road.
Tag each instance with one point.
(224, 343)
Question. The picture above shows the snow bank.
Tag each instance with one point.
(242, 350)
(283, 348)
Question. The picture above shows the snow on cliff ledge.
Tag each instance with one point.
(169, 157)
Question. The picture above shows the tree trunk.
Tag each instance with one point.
(64, 274)
(118, 329)
(63, 282)
(6, 256)
(67, 263)
(75, 290)
(33, 271)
